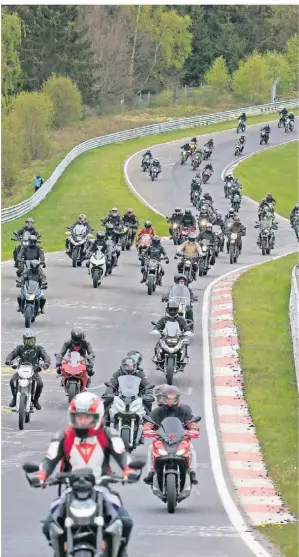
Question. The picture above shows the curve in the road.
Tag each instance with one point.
(117, 318)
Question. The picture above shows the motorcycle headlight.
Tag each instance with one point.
(204, 248)
(180, 452)
(23, 382)
(83, 511)
(135, 405)
(171, 341)
(187, 263)
(162, 452)
(30, 296)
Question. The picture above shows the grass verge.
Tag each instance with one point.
(261, 301)
(260, 174)
(92, 184)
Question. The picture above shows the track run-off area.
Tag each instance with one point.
(116, 318)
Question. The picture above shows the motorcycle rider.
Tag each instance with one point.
(188, 220)
(182, 280)
(146, 158)
(291, 117)
(207, 198)
(28, 352)
(113, 218)
(110, 235)
(28, 227)
(130, 219)
(155, 251)
(156, 164)
(187, 147)
(204, 212)
(270, 198)
(268, 221)
(218, 221)
(81, 220)
(172, 314)
(189, 248)
(171, 407)
(238, 228)
(30, 252)
(176, 217)
(294, 212)
(195, 185)
(86, 418)
(283, 115)
(209, 235)
(241, 142)
(262, 206)
(208, 167)
(147, 229)
(229, 216)
(99, 243)
(128, 366)
(209, 144)
(242, 117)
(77, 343)
(34, 272)
(266, 129)
(158, 393)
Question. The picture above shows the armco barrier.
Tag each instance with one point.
(294, 317)
(12, 213)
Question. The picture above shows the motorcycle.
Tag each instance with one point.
(241, 126)
(74, 376)
(30, 296)
(153, 275)
(24, 242)
(289, 125)
(146, 163)
(154, 171)
(206, 175)
(195, 198)
(97, 268)
(174, 232)
(180, 294)
(142, 244)
(127, 240)
(126, 412)
(204, 260)
(235, 202)
(220, 240)
(79, 239)
(91, 526)
(227, 189)
(238, 149)
(183, 233)
(171, 349)
(25, 393)
(264, 138)
(171, 460)
(111, 256)
(196, 161)
(187, 269)
(281, 122)
(206, 154)
(295, 226)
(233, 247)
(184, 156)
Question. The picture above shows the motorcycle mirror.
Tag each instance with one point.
(138, 464)
(29, 467)
(189, 334)
(150, 386)
(108, 384)
(149, 398)
(153, 323)
(196, 419)
(154, 332)
(149, 419)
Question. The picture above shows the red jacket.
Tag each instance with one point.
(143, 230)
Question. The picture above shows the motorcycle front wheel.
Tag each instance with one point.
(125, 435)
(171, 493)
(170, 370)
(72, 391)
(150, 285)
(22, 407)
(27, 315)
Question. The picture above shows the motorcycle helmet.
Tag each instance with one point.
(156, 160)
(34, 265)
(114, 212)
(86, 414)
(147, 225)
(135, 355)
(177, 211)
(204, 210)
(188, 212)
(82, 218)
(269, 194)
(170, 396)
(181, 278)
(158, 394)
(156, 241)
(128, 366)
(209, 226)
(192, 237)
(206, 196)
(172, 310)
(32, 240)
(198, 175)
(297, 206)
(100, 235)
(77, 335)
(193, 140)
(231, 212)
(29, 338)
(129, 211)
(29, 222)
(242, 138)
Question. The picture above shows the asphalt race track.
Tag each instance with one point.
(117, 318)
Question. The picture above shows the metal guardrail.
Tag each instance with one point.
(16, 211)
(294, 317)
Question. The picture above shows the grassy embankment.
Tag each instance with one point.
(93, 183)
(261, 299)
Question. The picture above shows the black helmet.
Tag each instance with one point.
(32, 239)
(204, 209)
(180, 277)
(34, 264)
(177, 211)
(188, 212)
(29, 338)
(243, 137)
(100, 235)
(128, 366)
(135, 355)
(156, 241)
(158, 393)
(170, 396)
(147, 224)
(172, 309)
(206, 195)
(192, 237)
(77, 335)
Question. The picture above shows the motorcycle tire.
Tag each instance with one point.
(171, 493)
(175, 239)
(200, 269)
(183, 161)
(217, 251)
(236, 152)
(150, 285)
(95, 278)
(266, 140)
(128, 246)
(268, 251)
(231, 255)
(205, 179)
(125, 435)
(85, 553)
(144, 168)
(264, 247)
(170, 370)
(261, 141)
(22, 406)
(72, 391)
(74, 257)
(28, 315)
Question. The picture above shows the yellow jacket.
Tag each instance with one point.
(190, 249)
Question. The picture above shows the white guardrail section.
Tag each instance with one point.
(294, 317)
(16, 211)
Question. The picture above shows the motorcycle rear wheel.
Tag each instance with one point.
(231, 255)
(171, 493)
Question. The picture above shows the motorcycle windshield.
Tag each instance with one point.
(31, 286)
(79, 231)
(25, 236)
(180, 294)
(171, 430)
(172, 329)
(205, 242)
(217, 229)
(129, 385)
(146, 239)
(74, 360)
(98, 254)
(266, 224)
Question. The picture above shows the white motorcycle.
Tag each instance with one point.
(79, 239)
(24, 407)
(97, 268)
(127, 410)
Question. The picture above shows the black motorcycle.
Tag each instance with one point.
(264, 138)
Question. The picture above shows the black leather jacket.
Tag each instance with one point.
(114, 220)
(84, 351)
(180, 320)
(188, 221)
(29, 354)
(155, 252)
(25, 228)
(31, 252)
(206, 235)
(130, 220)
(144, 383)
(183, 412)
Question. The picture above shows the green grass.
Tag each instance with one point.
(261, 300)
(92, 184)
(276, 171)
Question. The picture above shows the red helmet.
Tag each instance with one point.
(170, 396)
(86, 414)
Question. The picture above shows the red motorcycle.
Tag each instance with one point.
(74, 375)
(142, 244)
(183, 233)
(206, 175)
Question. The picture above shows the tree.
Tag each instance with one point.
(251, 81)
(217, 76)
(10, 63)
(283, 24)
(66, 100)
(277, 66)
(291, 55)
(54, 43)
(12, 150)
